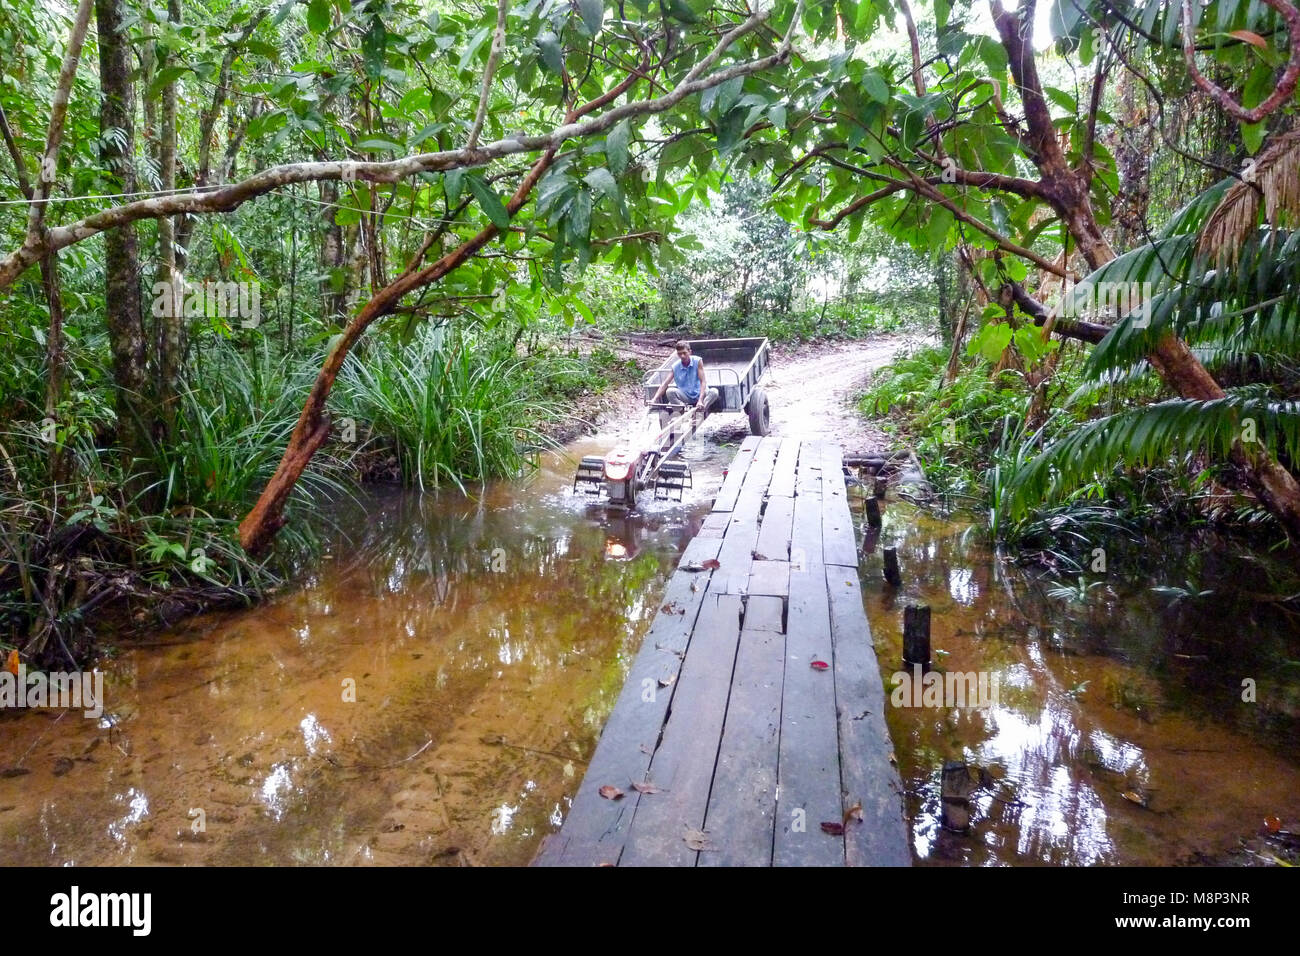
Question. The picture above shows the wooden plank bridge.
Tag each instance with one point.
(742, 741)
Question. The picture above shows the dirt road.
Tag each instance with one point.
(812, 390)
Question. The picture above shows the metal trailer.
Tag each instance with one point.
(734, 367)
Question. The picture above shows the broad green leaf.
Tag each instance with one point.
(616, 143)
(593, 16)
(318, 16)
(489, 201)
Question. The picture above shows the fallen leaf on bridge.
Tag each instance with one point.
(853, 813)
(698, 839)
(645, 788)
(710, 565)
(819, 665)
(610, 793)
(833, 828)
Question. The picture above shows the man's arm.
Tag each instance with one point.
(662, 388)
(704, 387)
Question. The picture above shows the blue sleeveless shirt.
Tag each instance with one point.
(687, 377)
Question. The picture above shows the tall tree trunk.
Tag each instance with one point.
(170, 345)
(121, 252)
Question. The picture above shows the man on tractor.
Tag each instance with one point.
(686, 388)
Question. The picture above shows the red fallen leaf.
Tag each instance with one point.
(645, 788)
(610, 793)
(11, 665)
(833, 828)
(1272, 824)
(819, 665)
(710, 565)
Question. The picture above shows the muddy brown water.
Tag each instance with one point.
(487, 641)
(1122, 731)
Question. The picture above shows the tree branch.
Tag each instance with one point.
(1285, 86)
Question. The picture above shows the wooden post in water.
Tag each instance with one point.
(892, 574)
(881, 486)
(872, 506)
(916, 635)
(956, 788)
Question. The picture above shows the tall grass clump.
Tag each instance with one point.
(457, 408)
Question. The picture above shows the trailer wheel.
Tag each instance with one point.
(760, 418)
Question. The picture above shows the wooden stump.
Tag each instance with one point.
(892, 574)
(957, 785)
(873, 512)
(916, 635)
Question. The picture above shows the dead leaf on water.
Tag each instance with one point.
(893, 759)
(11, 665)
(1132, 796)
(1272, 824)
(493, 740)
(610, 793)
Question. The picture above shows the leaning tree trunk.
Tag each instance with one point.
(121, 253)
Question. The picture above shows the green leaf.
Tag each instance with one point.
(489, 202)
(318, 16)
(593, 16)
(579, 218)
(452, 183)
(874, 85)
(380, 143)
(679, 10)
(616, 143)
(552, 56)
(601, 182)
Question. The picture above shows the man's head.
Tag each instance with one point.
(683, 351)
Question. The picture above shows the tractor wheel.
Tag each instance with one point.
(760, 418)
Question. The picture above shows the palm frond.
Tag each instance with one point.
(1274, 182)
(1141, 437)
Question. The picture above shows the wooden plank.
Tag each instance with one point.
(742, 802)
(730, 490)
(809, 768)
(808, 471)
(866, 774)
(737, 551)
(595, 829)
(682, 766)
(769, 577)
(783, 478)
(838, 543)
(806, 530)
(775, 529)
